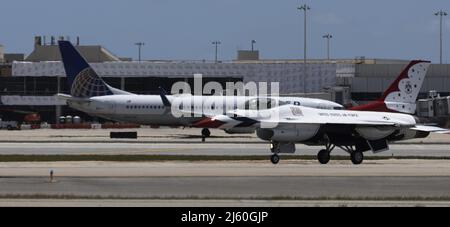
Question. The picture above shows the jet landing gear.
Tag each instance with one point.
(275, 159)
(357, 157)
(275, 149)
(324, 157)
(280, 147)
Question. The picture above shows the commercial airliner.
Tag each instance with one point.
(90, 94)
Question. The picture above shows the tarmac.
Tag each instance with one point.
(294, 168)
(390, 182)
(151, 135)
(208, 148)
(213, 203)
(260, 188)
(384, 182)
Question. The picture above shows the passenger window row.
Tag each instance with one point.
(206, 107)
(145, 107)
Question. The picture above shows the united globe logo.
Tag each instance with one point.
(88, 84)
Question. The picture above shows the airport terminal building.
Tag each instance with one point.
(30, 83)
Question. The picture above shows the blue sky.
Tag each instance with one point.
(184, 29)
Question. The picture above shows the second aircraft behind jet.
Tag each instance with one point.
(90, 94)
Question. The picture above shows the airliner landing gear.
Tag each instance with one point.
(205, 134)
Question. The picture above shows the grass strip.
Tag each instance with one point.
(270, 198)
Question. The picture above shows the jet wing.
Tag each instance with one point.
(426, 128)
(289, 115)
(324, 121)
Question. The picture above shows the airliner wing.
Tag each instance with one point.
(63, 96)
(66, 97)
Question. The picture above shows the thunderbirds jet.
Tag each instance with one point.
(353, 131)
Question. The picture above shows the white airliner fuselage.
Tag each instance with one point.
(150, 110)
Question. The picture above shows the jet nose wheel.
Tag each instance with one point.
(275, 159)
(357, 157)
(324, 157)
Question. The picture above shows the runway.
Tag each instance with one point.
(244, 183)
(424, 181)
(167, 148)
(232, 187)
(387, 182)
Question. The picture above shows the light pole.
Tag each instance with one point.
(304, 8)
(216, 43)
(441, 14)
(139, 44)
(253, 43)
(328, 37)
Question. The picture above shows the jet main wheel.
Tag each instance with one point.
(206, 133)
(357, 157)
(274, 148)
(275, 159)
(324, 157)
